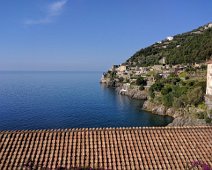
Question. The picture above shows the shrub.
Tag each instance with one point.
(200, 115)
(186, 77)
(178, 102)
(175, 80)
(127, 80)
(167, 89)
(121, 79)
(201, 84)
(157, 77)
(151, 92)
(167, 100)
(157, 86)
(183, 75)
(179, 91)
(202, 106)
(190, 83)
(208, 120)
(141, 81)
(203, 67)
(195, 96)
(141, 87)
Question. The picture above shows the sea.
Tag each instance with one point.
(52, 100)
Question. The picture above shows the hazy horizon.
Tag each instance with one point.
(65, 35)
(95, 71)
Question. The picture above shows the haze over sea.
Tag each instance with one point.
(43, 100)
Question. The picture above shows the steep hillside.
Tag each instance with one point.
(191, 47)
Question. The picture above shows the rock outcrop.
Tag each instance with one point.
(181, 116)
(182, 121)
(133, 93)
(112, 83)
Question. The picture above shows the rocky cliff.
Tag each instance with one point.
(181, 116)
(133, 93)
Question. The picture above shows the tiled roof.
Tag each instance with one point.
(209, 61)
(107, 148)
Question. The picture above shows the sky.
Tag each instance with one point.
(89, 35)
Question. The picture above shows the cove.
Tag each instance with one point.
(50, 100)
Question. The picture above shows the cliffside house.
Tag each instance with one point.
(209, 78)
(170, 38)
(114, 67)
(208, 26)
(141, 70)
(122, 68)
(157, 67)
(162, 60)
(165, 74)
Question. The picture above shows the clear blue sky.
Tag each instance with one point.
(89, 34)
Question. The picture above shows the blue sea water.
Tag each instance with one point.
(47, 100)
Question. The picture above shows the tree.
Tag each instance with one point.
(167, 89)
(157, 77)
(121, 79)
(141, 81)
(195, 96)
(179, 102)
(141, 87)
(167, 100)
(157, 86)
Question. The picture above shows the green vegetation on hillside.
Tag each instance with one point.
(187, 48)
(178, 93)
(178, 84)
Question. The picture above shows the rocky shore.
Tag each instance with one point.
(180, 116)
(133, 93)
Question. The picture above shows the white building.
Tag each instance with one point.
(162, 60)
(157, 67)
(210, 25)
(209, 78)
(122, 68)
(114, 67)
(170, 38)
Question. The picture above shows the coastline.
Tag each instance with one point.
(180, 116)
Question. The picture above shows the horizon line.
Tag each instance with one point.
(50, 71)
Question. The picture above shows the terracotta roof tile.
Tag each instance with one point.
(107, 148)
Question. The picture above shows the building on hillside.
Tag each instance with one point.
(133, 68)
(208, 26)
(126, 86)
(144, 69)
(141, 70)
(209, 78)
(162, 60)
(114, 67)
(196, 65)
(122, 68)
(165, 75)
(157, 67)
(170, 38)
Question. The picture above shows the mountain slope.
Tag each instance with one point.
(191, 47)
